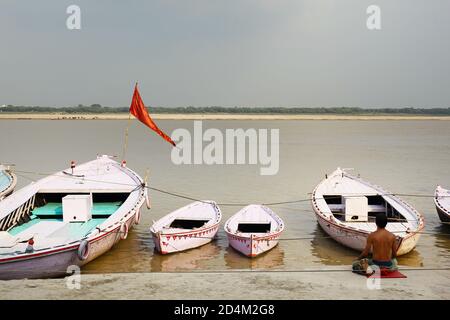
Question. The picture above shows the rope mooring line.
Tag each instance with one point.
(192, 198)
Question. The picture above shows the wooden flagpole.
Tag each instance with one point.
(125, 143)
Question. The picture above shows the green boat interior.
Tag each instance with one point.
(45, 217)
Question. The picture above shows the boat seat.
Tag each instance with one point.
(376, 208)
(105, 208)
(366, 226)
(336, 207)
(54, 209)
(18, 229)
(370, 208)
(396, 227)
(49, 209)
(45, 242)
(43, 228)
(73, 231)
(7, 240)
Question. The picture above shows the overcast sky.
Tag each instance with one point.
(311, 53)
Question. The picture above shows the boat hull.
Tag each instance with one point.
(444, 216)
(175, 242)
(55, 262)
(252, 246)
(357, 240)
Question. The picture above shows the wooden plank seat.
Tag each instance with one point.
(54, 209)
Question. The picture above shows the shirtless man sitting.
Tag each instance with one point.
(383, 246)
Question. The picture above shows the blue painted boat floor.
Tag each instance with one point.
(47, 221)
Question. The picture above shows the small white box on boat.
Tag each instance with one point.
(356, 208)
(77, 208)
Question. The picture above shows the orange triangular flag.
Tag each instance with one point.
(138, 109)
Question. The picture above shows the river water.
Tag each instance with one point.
(402, 156)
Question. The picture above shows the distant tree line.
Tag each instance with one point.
(98, 109)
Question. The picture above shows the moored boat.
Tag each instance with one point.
(8, 181)
(189, 227)
(68, 218)
(346, 207)
(254, 230)
(442, 203)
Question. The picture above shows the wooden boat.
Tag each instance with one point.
(346, 207)
(8, 181)
(68, 218)
(442, 202)
(189, 227)
(254, 230)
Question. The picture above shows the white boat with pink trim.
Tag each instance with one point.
(68, 218)
(189, 227)
(346, 207)
(254, 230)
(8, 181)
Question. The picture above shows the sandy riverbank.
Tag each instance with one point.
(276, 285)
(123, 116)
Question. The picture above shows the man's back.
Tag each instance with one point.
(383, 244)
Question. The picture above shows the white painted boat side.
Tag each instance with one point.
(170, 243)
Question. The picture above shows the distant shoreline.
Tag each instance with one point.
(193, 116)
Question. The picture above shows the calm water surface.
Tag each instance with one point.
(402, 156)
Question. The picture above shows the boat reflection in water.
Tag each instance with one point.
(442, 238)
(329, 252)
(269, 260)
(193, 259)
(118, 258)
